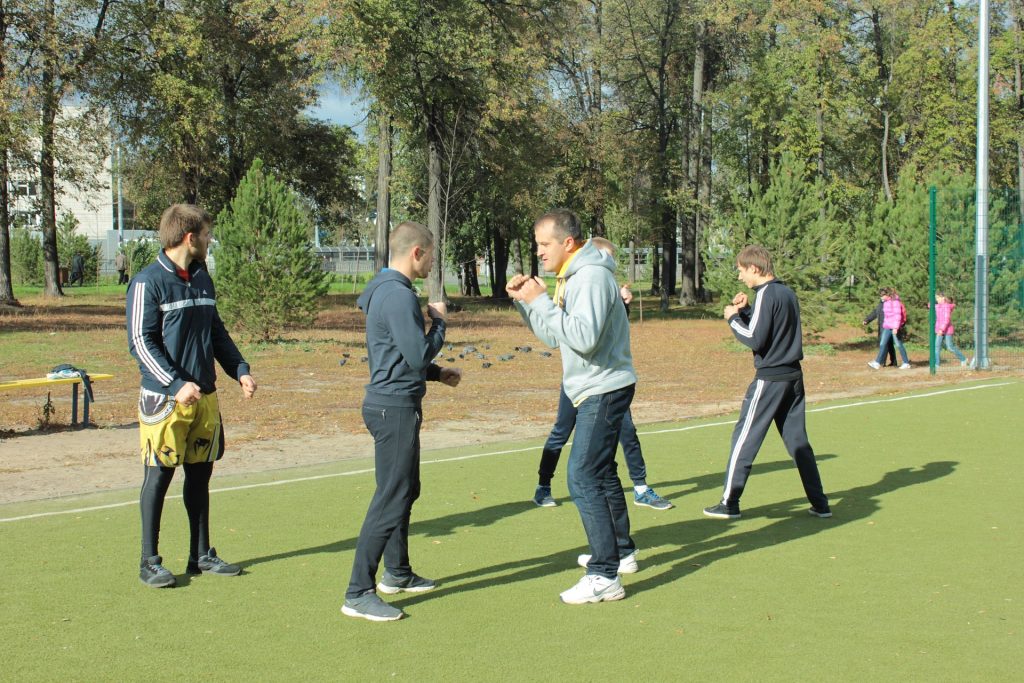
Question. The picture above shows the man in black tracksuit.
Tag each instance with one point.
(772, 331)
(400, 359)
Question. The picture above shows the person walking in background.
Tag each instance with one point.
(944, 307)
(894, 316)
(121, 266)
(565, 422)
(772, 330)
(400, 356)
(77, 270)
(175, 334)
(587, 322)
(878, 314)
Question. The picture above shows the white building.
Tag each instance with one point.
(92, 202)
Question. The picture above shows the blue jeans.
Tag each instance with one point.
(950, 344)
(594, 482)
(565, 421)
(883, 341)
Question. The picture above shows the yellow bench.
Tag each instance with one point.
(73, 381)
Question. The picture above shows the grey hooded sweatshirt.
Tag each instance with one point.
(400, 354)
(592, 331)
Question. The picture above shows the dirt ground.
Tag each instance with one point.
(306, 410)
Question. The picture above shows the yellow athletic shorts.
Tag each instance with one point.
(171, 434)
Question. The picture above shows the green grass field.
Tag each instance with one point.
(916, 577)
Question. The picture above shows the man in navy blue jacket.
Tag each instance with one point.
(771, 329)
(176, 334)
(400, 358)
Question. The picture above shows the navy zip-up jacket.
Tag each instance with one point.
(771, 329)
(174, 330)
(400, 354)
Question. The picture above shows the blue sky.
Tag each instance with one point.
(340, 106)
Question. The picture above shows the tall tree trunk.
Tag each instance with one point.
(6, 285)
(499, 263)
(878, 45)
(435, 280)
(655, 270)
(380, 251)
(596, 106)
(688, 282)
(47, 172)
(1017, 12)
(704, 204)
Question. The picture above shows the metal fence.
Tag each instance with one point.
(986, 284)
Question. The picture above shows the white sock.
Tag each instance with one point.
(640, 490)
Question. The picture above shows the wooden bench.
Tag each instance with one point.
(73, 381)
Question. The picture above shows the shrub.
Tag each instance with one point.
(268, 277)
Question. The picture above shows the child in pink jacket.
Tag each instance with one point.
(944, 327)
(894, 315)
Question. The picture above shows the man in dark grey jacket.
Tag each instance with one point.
(400, 358)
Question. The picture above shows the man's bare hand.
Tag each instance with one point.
(451, 376)
(626, 293)
(530, 290)
(730, 311)
(514, 284)
(740, 300)
(437, 310)
(248, 385)
(189, 394)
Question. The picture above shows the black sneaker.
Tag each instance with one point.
(153, 574)
(211, 564)
(370, 606)
(722, 511)
(411, 584)
(820, 512)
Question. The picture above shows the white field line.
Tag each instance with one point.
(296, 480)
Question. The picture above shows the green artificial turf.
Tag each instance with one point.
(917, 577)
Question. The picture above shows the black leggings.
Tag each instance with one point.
(196, 494)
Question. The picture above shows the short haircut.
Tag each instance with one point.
(406, 235)
(565, 222)
(757, 256)
(180, 219)
(604, 245)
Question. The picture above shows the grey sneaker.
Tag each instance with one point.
(370, 606)
(413, 583)
(211, 564)
(722, 511)
(820, 512)
(153, 574)
(542, 497)
(651, 500)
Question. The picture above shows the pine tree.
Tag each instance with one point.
(268, 277)
(790, 219)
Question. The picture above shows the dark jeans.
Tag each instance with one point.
(594, 482)
(385, 531)
(890, 349)
(559, 436)
(887, 337)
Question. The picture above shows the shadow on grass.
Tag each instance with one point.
(700, 542)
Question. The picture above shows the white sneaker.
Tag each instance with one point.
(627, 564)
(594, 588)
(873, 365)
(905, 366)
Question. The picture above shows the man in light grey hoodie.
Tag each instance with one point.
(587, 322)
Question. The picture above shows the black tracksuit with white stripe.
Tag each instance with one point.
(771, 329)
(174, 330)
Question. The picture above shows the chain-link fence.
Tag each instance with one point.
(982, 278)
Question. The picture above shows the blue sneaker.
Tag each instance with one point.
(651, 500)
(542, 497)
